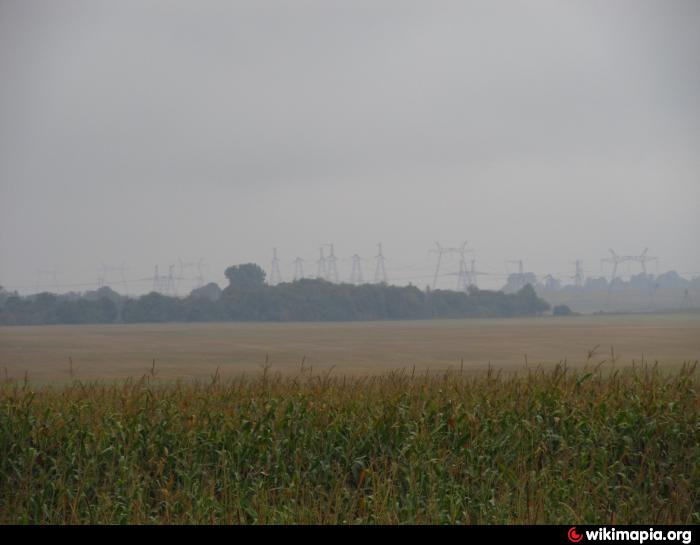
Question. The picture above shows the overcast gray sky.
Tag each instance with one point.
(140, 132)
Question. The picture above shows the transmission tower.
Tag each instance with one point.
(463, 275)
(472, 274)
(466, 276)
(275, 276)
(164, 284)
(644, 259)
(617, 260)
(356, 273)
(158, 281)
(331, 265)
(380, 276)
(298, 269)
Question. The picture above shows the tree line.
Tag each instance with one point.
(249, 298)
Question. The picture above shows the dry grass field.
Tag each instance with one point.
(196, 351)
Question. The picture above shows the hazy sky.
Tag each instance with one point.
(141, 132)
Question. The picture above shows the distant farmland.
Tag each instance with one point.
(196, 351)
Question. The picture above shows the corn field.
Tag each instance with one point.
(583, 446)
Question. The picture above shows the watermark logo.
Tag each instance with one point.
(630, 535)
(573, 535)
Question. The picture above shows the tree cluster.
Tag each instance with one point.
(249, 298)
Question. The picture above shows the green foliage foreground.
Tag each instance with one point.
(552, 446)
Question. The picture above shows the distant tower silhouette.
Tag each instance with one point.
(617, 260)
(462, 274)
(160, 282)
(356, 273)
(331, 265)
(380, 276)
(473, 274)
(275, 276)
(465, 276)
(164, 284)
(298, 269)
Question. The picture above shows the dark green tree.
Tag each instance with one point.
(246, 276)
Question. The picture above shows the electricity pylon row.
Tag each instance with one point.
(327, 267)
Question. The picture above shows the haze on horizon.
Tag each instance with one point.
(140, 132)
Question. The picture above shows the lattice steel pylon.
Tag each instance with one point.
(298, 269)
(275, 275)
(616, 260)
(331, 265)
(463, 275)
(380, 276)
(356, 272)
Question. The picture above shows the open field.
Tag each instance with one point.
(558, 446)
(373, 441)
(196, 350)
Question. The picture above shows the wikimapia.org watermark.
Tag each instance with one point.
(638, 536)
